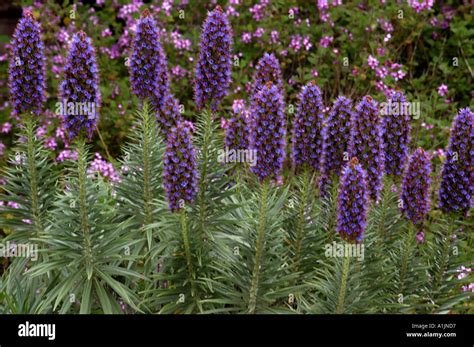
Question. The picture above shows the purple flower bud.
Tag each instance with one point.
(352, 202)
(27, 74)
(396, 134)
(268, 132)
(80, 86)
(416, 187)
(267, 70)
(149, 75)
(307, 140)
(180, 175)
(214, 67)
(169, 115)
(457, 185)
(336, 134)
(366, 143)
(237, 130)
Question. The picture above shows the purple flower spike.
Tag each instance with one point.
(396, 132)
(307, 140)
(237, 130)
(268, 132)
(457, 185)
(352, 202)
(366, 143)
(180, 175)
(214, 67)
(169, 115)
(80, 87)
(416, 187)
(27, 74)
(267, 70)
(336, 135)
(149, 75)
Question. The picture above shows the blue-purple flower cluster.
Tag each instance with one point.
(336, 136)
(237, 129)
(27, 74)
(416, 187)
(268, 132)
(169, 114)
(457, 185)
(180, 175)
(81, 86)
(213, 69)
(149, 75)
(307, 140)
(366, 143)
(267, 70)
(352, 202)
(396, 134)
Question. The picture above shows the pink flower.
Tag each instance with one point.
(274, 37)
(373, 62)
(420, 237)
(246, 37)
(259, 32)
(106, 32)
(381, 72)
(5, 128)
(326, 41)
(50, 143)
(443, 90)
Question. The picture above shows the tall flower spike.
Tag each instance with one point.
(148, 65)
(180, 175)
(307, 141)
(416, 187)
(366, 143)
(268, 132)
(214, 67)
(396, 132)
(352, 202)
(336, 134)
(27, 74)
(457, 185)
(169, 114)
(267, 70)
(237, 130)
(80, 86)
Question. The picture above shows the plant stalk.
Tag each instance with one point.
(259, 248)
(187, 250)
(342, 289)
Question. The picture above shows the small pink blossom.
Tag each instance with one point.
(443, 90)
(372, 61)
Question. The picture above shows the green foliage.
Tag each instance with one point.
(140, 193)
(85, 247)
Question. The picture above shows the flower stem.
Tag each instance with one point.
(342, 288)
(32, 172)
(187, 250)
(83, 204)
(259, 248)
(444, 258)
(405, 256)
(104, 145)
(304, 193)
(206, 141)
(147, 195)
